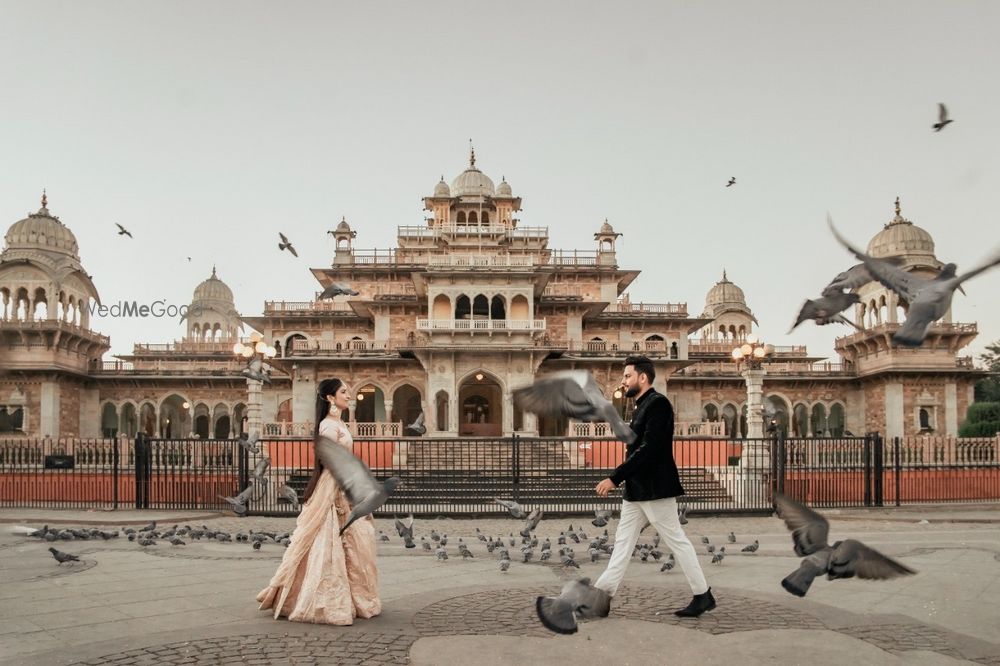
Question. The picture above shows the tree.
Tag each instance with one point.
(988, 388)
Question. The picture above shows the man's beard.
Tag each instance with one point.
(632, 392)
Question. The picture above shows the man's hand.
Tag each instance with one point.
(605, 487)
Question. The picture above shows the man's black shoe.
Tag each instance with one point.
(699, 604)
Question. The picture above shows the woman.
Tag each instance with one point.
(323, 577)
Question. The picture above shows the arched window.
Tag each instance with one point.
(480, 307)
(835, 422)
(461, 217)
(800, 421)
(819, 425)
(486, 218)
(710, 413)
(473, 220)
(441, 407)
(463, 307)
(497, 308)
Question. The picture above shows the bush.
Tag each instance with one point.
(980, 429)
(982, 420)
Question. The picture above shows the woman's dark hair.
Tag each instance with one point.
(326, 388)
(323, 406)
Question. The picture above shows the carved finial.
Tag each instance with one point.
(45, 199)
(213, 271)
(472, 155)
(899, 211)
(343, 218)
(724, 278)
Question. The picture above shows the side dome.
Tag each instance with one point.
(42, 231)
(213, 289)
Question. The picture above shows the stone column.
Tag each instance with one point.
(254, 406)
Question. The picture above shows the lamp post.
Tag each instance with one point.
(749, 358)
(256, 350)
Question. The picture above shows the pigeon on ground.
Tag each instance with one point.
(408, 542)
(532, 522)
(731, 538)
(255, 370)
(504, 565)
(575, 394)
(515, 509)
(826, 309)
(122, 231)
(929, 299)
(578, 599)
(364, 492)
(286, 244)
(732, 181)
(667, 565)
(337, 289)
(705, 539)
(63, 557)
(177, 541)
(751, 548)
(943, 118)
(418, 426)
(717, 558)
(288, 493)
(441, 553)
(844, 559)
(149, 528)
(601, 518)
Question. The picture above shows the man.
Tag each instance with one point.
(651, 488)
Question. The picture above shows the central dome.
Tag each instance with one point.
(724, 292)
(42, 231)
(213, 289)
(900, 237)
(472, 181)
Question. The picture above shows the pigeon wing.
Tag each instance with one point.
(284, 239)
(560, 394)
(942, 112)
(810, 530)
(868, 562)
(350, 471)
(990, 263)
(262, 467)
(889, 275)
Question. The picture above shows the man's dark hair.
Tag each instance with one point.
(642, 366)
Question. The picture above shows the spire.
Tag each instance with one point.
(213, 272)
(472, 156)
(898, 219)
(898, 209)
(45, 199)
(724, 278)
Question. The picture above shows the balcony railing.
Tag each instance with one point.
(572, 258)
(305, 429)
(518, 325)
(303, 307)
(419, 232)
(939, 328)
(681, 429)
(675, 309)
(168, 367)
(49, 324)
(771, 368)
(189, 347)
(703, 346)
(602, 347)
(346, 347)
(481, 260)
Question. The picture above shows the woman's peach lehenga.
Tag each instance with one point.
(323, 577)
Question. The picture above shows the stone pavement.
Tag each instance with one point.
(194, 604)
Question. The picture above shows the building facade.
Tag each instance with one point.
(466, 307)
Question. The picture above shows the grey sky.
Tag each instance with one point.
(205, 128)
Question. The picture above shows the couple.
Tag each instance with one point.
(324, 577)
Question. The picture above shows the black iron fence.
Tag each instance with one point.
(449, 476)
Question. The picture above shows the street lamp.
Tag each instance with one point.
(750, 356)
(257, 350)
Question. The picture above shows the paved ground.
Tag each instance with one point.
(195, 604)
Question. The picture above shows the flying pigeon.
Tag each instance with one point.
(682, 515)
(572, 393)
(854, 277)
(601, 518)
(515, 509)
(943, 118)
(261, 469)
(337, 289)
(122, 231)
(533, 519)
(929, 299)
(578, 598)
(404, 529)
(418, 425)
(250, 442)
(255, 370)
(826, 309)
(285, 243)
(363, 491)
(288, 493)
(732, 181)
(239, 503)
(844, 559)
